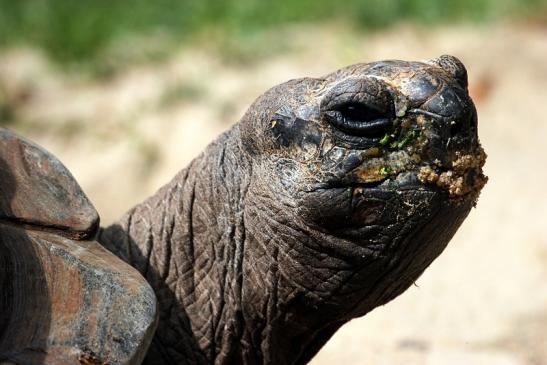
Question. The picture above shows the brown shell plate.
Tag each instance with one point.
(37, 190)
(66, 302)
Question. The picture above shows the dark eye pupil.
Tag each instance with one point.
(361, 112)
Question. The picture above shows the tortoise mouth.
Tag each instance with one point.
(405, 180)
(459, 174)
(462, 179)
(364, 204)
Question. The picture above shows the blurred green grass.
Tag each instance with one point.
(76, 32)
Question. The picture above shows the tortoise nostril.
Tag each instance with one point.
(452, 66)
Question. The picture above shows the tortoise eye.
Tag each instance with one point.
(360, 112)
(359, 119)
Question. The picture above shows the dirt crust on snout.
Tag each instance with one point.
(464, 180)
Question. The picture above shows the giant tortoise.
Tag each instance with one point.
(329, 198)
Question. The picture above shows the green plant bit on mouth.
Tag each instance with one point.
(384, 140)
(384, 171)
(410, 137)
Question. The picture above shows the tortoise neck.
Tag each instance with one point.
(188, 242)
(221, 294)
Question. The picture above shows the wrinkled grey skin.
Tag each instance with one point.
(302, 216)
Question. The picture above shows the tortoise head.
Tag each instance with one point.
(379, 163)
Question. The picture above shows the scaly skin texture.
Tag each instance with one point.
(330, 197)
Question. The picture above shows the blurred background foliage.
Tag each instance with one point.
(87, 33)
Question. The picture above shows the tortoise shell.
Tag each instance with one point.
(64, 299)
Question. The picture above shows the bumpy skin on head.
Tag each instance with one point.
(330, 197)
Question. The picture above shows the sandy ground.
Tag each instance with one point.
(484, 301)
